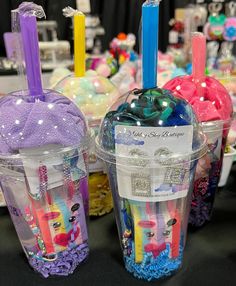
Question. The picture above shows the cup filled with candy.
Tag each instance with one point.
(213, 108)
(43, 165)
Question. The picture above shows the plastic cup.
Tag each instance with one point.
(208, 172)
(93, 94)
(213, 107)
(46, 186)
(229, 83)
(226, 166)
(151, 193)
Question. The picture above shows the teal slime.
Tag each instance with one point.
(155, 107)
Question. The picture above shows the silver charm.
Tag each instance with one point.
(175, 175)
(139, 158)
(162, 156)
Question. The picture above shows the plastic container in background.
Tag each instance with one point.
(213, 107)
(226, 167)
(93, 94)
(45, 180)
(151, 143)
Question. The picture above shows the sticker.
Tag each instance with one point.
(63, 220)
(32, 161)
(138, 178)
(84, 6)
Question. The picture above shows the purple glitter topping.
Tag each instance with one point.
(65, 264)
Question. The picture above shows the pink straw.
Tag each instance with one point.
(198, 56)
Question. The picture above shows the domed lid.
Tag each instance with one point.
(36, 118)
(93, 94)
(208, 97)
(152, 118)
(28, 122)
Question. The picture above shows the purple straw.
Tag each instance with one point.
(29, 32)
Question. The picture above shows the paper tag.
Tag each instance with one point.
(84, 6)
(143, 183)
(32, 161)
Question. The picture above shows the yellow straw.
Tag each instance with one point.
(79, 44)
(138, 235)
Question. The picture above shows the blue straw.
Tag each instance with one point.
(150, 21)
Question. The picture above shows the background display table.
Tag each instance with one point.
(210, 254)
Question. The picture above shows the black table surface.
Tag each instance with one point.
(210, 253)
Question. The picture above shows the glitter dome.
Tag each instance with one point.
(155, 107)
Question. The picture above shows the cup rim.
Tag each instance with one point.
(217, 125)
(82, 147)
(171, 160)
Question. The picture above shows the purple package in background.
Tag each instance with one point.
(10, 41)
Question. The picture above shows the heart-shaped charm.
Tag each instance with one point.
(63, 239)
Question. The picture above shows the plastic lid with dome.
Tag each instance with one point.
(92, 93)
(35, 117)
(209, 98)
(147, 108)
